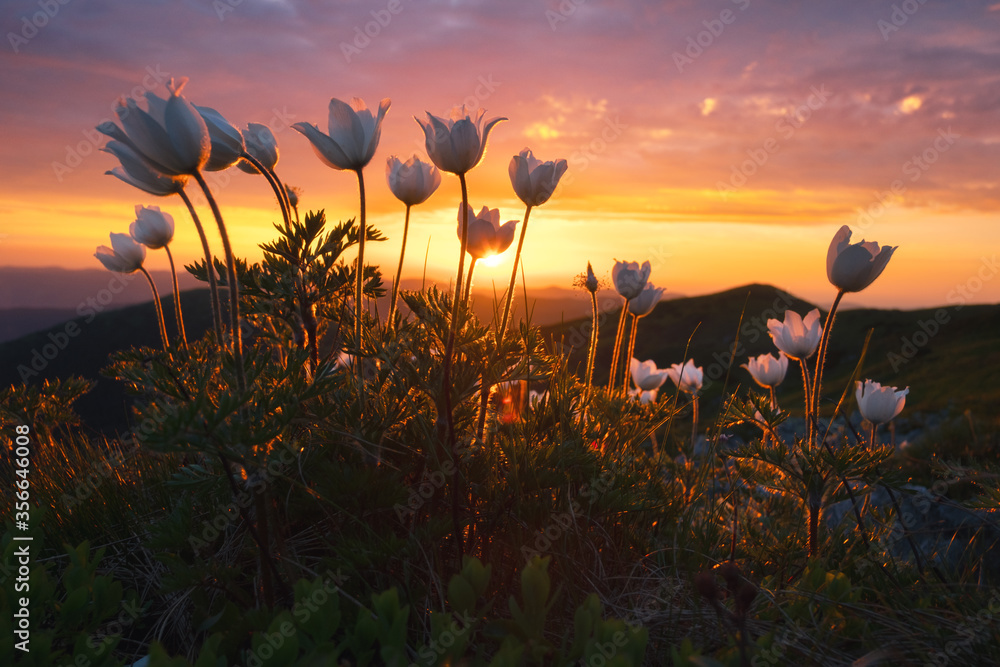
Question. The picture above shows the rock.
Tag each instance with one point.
(953, 537)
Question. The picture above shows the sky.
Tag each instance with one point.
(726, 141)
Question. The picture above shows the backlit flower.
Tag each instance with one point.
(879, 404)
(293, 195)
(486, 236)
(686, 376)
(152, 228)
(124, 256)
(534, 181)
(261, 144)
(797, 337)
(171, 136)
(766, 370)
(135, 171)
(644, 304)
(456, 144)
(413, 181)
(629, 278)
(853, 267)
(536, 398)
(644, 397)
(227, 141)
(590, 282)
(645, 374)
(354, 134)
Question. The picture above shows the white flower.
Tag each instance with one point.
(261, 145)
(354, 134)
(413, 181)
(227, 141)
(644, 304)
(644, 397)
(486, 236)
(645, 374)
(854, 267)
(171, 137)
(124, 256)
(534, 181)
(766, 370)
(797, 337)
(456, 144)
(152, 228)
(135, 171)
(629, 278)
(686, 376)
(879, 404)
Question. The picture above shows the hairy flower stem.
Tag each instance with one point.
(630, 351)
(871, 436)
(306, 308)
(359, 291)
(614, 351)
(177, 301)
(234, 287)
(399, 269)
(484, 396)
(806, 391)
(213, 284)
(814, 507)
(159, 309)
(449, 424)
(484, 403)
(824, 342)
(267, 566)
(513, 277)
(468, 283)
(593, 341)
(773, 403)
(279, 190)
(694, 422)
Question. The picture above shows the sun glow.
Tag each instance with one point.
(492, 260)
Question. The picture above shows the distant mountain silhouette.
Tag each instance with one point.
(16, 322)
(56, 287)
(944, 355)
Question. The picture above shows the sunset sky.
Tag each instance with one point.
(724, 141)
